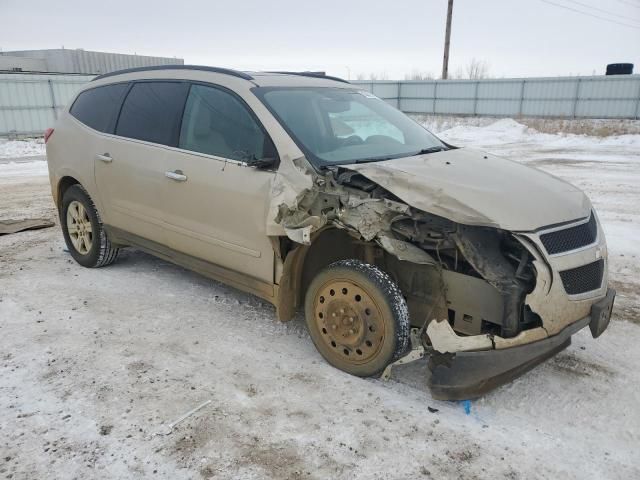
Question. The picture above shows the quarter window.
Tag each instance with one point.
(152, 111)
(217, 123)
(98, 107)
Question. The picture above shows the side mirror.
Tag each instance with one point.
(269, 156)
(266, 162)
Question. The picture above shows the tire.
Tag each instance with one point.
(96, 250)
(357, 317)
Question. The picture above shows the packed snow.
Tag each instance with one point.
(95, 363)
(22, 148)
(23, 169)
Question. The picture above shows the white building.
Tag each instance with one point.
(63, 60)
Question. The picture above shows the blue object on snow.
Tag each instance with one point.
(467, 406)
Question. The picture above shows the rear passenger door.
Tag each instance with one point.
(216, 206)
(97, 110)
(130, 165)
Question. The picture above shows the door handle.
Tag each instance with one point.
(176, 175)
(105, 157)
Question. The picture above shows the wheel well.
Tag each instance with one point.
(63, 186)
(420, 284)
(330, 246)
(304, 262)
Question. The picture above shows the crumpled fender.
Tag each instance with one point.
(292, 182)
(297, 187)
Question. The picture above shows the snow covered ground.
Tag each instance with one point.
(21, 148)
(95, 363)
(22, 168)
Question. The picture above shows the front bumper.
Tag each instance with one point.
(465, 375)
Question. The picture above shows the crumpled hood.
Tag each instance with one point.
(475, 188)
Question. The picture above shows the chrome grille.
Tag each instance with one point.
(570, 238)
(584, 278)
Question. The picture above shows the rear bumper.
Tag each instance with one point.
(466, 375)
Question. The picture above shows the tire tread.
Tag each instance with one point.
(107, 253)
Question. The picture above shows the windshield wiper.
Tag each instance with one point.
(424, 151)
(392, 157)
(375, 159)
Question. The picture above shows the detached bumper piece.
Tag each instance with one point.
(601, 314)
(467, 375)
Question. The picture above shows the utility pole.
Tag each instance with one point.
(447, 39)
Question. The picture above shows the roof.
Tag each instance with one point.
(257, 78)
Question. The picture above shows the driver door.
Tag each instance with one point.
(215, 205)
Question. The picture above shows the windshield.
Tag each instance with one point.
(338, 126)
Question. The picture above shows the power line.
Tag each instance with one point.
(603, 11)
(591, 14)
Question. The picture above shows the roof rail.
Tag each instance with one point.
(314, 75)
(225, 71)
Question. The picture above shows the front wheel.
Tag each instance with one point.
(357, 317)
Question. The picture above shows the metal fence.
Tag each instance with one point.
(29, 103)
(558, 97)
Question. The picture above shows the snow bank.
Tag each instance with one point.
(508, 131)
(499, 132)
(21, 148)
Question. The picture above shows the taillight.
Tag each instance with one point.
(47, 134)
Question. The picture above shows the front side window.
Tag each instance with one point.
(152, 111)
(217, 123)
(340, 126)
(98, 107)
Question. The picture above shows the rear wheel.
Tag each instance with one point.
(83, 232)
(357, 317)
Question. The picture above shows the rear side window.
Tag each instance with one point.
(217, 123)
(152, 112)
(98, 107)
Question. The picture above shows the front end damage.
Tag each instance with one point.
(486, 303)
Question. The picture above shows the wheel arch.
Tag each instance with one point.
(303, 262)
(63, 185)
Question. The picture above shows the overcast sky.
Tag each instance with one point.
(392, 38)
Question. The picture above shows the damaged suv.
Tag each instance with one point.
(308, 192)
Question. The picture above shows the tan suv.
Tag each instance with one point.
(307, 191)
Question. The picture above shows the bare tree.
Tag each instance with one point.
(477, 69)
(458, 74)
(378, 76)
(373, 76)
(418, 75)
